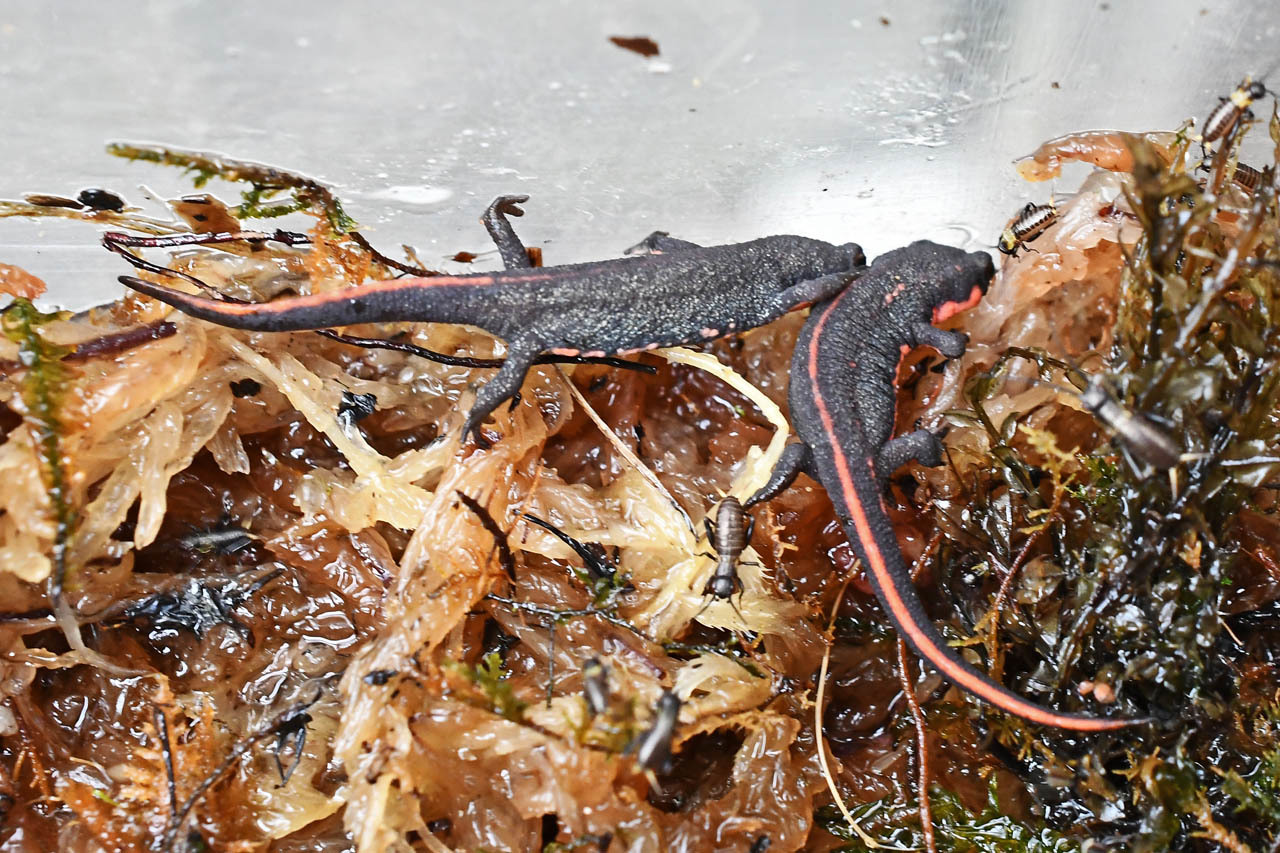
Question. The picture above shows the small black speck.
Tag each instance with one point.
(242, 388)
(824, 189)
(1103, 7)
(355, 407)
(693, 109)
(379, 677)
(101, 199)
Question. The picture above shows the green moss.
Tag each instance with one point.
(42, 385)
(490, 677)
(1136, 568)
(896, 826)
(265, 182)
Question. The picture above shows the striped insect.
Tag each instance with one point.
(1226, 116)
(595, 686)
(1032, 221)
(1247, 177)
(729, 536)
(652, 747)
(1140, 436)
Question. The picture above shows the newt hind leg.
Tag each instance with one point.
(514, 255)
(920, 446)
(504, 385)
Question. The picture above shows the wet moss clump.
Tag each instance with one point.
(1132, 567)
(266, 183)
(42, 385)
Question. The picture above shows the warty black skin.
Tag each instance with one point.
(843, 401)
(671, 292)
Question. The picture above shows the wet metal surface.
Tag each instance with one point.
(876, 122)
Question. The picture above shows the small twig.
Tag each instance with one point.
(242, 746)
(1006, 582)
(121, 341)
(817, 725)
(917, 715)
(626, 452)
(166, 752)
(307, 191)
(408, 269)
(564, 615)
(505, 558)
(480, 363)
(922, 747)
(551, 661)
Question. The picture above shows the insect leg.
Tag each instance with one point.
(504, 236)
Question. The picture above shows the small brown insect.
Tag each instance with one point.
(1247, 177)
(1227, 114)
(729, 536)
(595, 686)
(653, 747)
(1030, 223)
(1140, 437)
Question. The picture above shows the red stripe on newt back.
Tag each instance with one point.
(902, 617)
(282, 306)
(313, 300)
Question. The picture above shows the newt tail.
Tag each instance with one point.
(843, 398)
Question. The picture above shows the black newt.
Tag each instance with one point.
(669, 292)
(843, 399)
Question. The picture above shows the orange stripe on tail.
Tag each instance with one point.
(924, 639)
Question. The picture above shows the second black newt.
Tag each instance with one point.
(669, 292)
(843, 397)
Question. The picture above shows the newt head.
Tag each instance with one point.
(942, 280)
(856, 257)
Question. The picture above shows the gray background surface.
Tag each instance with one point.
(757, 117)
